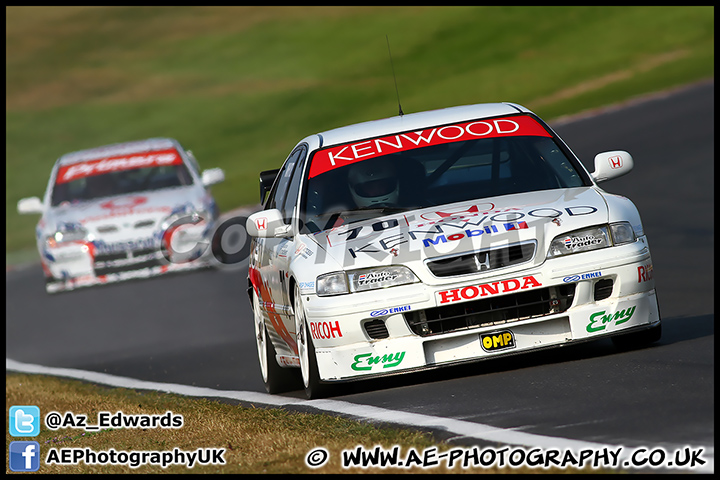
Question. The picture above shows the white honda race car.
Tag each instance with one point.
(441, 237)
(128, 210)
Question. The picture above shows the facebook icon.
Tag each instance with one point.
(24, 456)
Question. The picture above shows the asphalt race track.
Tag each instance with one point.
(196, 329)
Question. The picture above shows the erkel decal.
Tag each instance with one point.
(335, 157)
(325, 330)
(488, 289)
(388, 311)
(582, 276)
(366, 361)
(599, 320)
(645, 273)
(492, 342)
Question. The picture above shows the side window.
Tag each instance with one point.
(294, 186)
(279, 191)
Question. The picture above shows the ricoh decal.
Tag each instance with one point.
(600, 320)
(390, 311)
(325, 330)
(582, 276)
(493, 342)
(366, 361)
(645, 273)
(472, 292)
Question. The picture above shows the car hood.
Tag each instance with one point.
(453, 229)
(130, 214)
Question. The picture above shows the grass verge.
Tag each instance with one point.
(254, 440)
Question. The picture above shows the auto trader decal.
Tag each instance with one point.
(90, 168)
(488, 289)
(336, 157)
(599, 320)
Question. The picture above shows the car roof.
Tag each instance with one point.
(115, 149)
(420, 120)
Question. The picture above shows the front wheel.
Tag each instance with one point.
(306, 351)
(276, 378)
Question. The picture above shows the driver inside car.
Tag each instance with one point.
(373, 183)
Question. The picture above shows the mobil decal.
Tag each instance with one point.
(487, 230)
(159, 158)
(339, 156)
(492, 342)
(325, 330)
(472, 292)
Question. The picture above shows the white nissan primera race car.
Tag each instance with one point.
(437, 238)
(128, 210)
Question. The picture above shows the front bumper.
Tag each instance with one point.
(415, 327)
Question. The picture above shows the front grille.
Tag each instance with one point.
(603, 289)
(376, 329)
(483, 260)
(491, 311)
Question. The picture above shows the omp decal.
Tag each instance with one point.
(366, 361)
(582, 276)
(325, 330)
(488, 289)
(645, 273)
(599, 320)
(388, 311)
(117, 163)
(492, 342)
(335, 157)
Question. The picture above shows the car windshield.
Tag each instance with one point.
(344, 192)
(120, 182)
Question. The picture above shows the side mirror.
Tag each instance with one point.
(267, 178)
(212, 176)
(267, 224)
(609, 165)
(30, 205)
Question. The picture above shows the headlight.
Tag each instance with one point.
(331, 284)
(361, 280)
(592, 238)
(580, 241)
(67, 233)
(622, 233)
(381, 277)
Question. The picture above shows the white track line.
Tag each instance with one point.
(364, 412)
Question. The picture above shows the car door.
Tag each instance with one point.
(276, 253)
